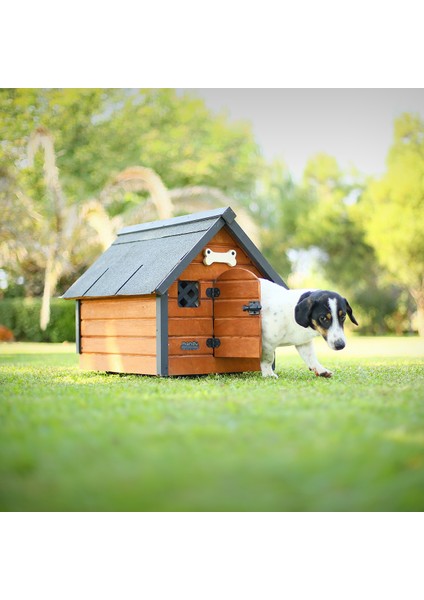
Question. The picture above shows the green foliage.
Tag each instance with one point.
(90, 135)
(329, 225)
(369, 235)
(73, 441)
(393, 215)
(183, 142)
(22, 316)
(318, 217)
(99, 132)
(280, 202)
(382, 308)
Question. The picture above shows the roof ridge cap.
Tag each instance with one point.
(226, 213)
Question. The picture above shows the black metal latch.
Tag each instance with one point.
(213, 342)
(253, 308)
(212, 292)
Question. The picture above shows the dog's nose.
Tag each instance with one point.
(339, 345)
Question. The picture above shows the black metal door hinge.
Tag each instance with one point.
(253, 308)
(213, 342)
(212, 292)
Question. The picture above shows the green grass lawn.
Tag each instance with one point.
(76, 441)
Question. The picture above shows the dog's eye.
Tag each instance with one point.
(323, 319)
(342, 318)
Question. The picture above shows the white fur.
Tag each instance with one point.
(279, 328)
(335, 333)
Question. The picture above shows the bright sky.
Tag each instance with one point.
(353, 125)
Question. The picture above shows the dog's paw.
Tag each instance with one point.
(324, 373)
(270, 374)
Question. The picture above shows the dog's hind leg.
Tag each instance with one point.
(267, 361)
(307, 353)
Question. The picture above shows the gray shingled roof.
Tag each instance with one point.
(149, 257)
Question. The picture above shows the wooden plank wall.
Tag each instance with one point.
(196, 324)
(119, 335)
(238, 331)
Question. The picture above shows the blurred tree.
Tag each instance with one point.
(161, 203)
(179, 138)
(328, 226)
(89, 136)
(73, 118)
(280, 203)
(393, 211)
(98, 133)
(17, 217)
(61, 229)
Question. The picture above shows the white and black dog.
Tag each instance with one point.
(295, 317)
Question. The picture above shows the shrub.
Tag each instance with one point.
(22, 316)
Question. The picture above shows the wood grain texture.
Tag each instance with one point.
(233, 327)
(223, 237)
(238, 289)
(202, 365)
(238, 346)
(119, 345)
(190, 326)
(119, 327)
(122, 308)
(205, 309)
(119, 363)
(200, 272)
(238, 274)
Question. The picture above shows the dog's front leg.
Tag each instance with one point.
(307, 353)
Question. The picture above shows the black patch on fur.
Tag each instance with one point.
(350, 313)
(303, 309)
(313, 305)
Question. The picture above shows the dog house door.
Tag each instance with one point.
(237, 316)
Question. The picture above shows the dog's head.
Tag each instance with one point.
(326, 313)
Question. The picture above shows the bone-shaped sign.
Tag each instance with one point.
(228, 258)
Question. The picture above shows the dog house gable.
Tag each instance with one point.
(137, 310)
(208, 331)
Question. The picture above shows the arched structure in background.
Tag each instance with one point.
(164, 204)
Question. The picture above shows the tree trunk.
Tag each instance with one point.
(42, 138)
(418, 296)
(51, 277)
(420, 318)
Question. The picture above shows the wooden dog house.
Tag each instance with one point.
(174, 297)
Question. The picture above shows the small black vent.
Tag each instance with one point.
(188, 294)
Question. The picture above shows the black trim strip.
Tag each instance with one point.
(162, 335)
(78, 326)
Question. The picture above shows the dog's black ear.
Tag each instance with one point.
(350, 313)
(303, 309)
